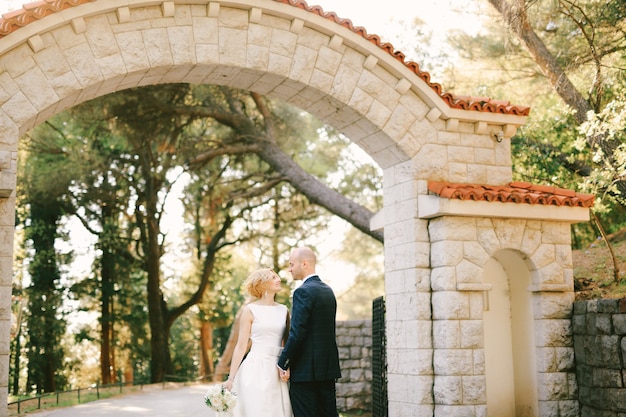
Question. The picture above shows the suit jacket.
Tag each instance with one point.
(311, 349)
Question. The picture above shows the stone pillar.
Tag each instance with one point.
(7, 219)
(457, 303)
(407, 289)
(556, 368)
(8, 179)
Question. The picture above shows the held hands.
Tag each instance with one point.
(283, 374)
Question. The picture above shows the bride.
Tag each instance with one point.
(255, 379)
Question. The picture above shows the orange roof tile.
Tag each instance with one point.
(30, 12)
(12, 21)
(514, 192)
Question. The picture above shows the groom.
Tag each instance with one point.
(310, 357)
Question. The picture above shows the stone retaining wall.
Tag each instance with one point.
(354, 389)
(599, 328)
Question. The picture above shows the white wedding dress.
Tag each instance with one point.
(260, 392)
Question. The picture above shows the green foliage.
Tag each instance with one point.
(184, 347)
(45, 324)
(610, 126)
(43, 187)
(544, 146)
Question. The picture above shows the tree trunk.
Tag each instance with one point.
(206, 350)
(516, 19)
(156, 305)
(106, 319)
(317, 192)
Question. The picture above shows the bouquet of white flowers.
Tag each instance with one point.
(220, 399)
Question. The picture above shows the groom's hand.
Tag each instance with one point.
(283, 374)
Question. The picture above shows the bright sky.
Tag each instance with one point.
(379, 17)
(8, 5)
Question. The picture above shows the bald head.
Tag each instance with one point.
(302, 263)
(305, 253)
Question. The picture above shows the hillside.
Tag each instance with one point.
(593, 271)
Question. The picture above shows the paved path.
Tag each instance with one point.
(182, 402)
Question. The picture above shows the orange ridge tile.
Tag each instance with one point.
(12, 21)
(30, 12)
(513, 192)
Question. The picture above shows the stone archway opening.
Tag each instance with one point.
(509, 337)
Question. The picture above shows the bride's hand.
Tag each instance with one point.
(228, 384)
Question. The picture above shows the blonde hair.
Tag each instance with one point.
(256, 280)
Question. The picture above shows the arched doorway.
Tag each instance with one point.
(509, 338)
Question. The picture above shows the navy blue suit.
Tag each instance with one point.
(310, 352)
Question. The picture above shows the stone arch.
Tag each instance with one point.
(55, 54)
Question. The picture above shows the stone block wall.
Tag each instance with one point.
(599, 328)
(354, 388)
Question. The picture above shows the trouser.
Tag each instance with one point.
(313, 399)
